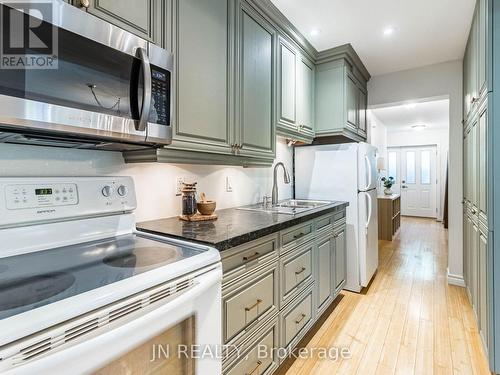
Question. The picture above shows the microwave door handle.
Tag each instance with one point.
(142, 123)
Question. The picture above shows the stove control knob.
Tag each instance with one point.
(107, 190)
(122, 190)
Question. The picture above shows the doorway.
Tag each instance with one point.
(414, 170)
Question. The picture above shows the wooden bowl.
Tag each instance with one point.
(206, 208)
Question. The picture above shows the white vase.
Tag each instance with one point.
(387, 191)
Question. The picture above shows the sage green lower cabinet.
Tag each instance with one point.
(325, 277)
(297, 318)
(145, 18)
(276, 287)
(296, 270)
(256, 62)
(340, 259)
(483, 289)
(258, 356)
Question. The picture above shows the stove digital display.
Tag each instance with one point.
(45, 191)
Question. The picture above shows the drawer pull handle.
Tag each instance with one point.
(259, 363)
(254, 305)
(297, 236)
(300, 271)
(251, 257)
(302, 316)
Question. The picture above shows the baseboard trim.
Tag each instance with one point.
(455, 279)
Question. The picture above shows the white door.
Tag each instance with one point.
(418, 181)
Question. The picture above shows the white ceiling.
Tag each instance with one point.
(426, 31)
(434, 114)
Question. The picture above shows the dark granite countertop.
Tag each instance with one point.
(233, 227)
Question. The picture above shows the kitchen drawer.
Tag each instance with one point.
(291, 238)
(246, 258)
(253, 360)
(249, 303)
(324, 223)
(296, 319)
(339, 218)
(296, 271)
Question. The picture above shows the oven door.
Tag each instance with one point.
(106, 83)
(181, 336)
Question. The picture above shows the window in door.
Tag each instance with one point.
(392, 168)
(410, 167)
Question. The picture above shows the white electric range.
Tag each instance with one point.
(81, 289)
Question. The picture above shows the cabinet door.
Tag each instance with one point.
(325, 252)
(473, 62)
(483, 288)
(352, 93)
(201, 58)
(257, 61)
(340, 258)
(362, 106)
(465, 161)
(482, 134)
(474, 266)
(466, 256)
(474, 158)
(145, 18)
(482, 43)
(306, 78)
(287, 84)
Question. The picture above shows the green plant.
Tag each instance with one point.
(388, 182)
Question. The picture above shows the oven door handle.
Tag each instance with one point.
(142, 122)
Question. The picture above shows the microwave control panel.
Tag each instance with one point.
(36, 196)
(160, 96)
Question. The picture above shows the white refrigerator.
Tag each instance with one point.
(345, 172)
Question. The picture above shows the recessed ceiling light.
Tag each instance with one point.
(419, 127)
(410, 106)
(389, 30)
(314, 32)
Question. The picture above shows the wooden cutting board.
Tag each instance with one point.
(198, 217)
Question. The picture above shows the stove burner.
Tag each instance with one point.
(26, 291)
(141, 257)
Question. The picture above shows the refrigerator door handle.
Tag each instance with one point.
(369, 170)
(369, 218)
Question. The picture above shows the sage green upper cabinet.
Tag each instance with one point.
(256, 71)
(295, 93)
(341, 96)
(201, 76)
(352, 103)
(287, 90)
(362, 112)
(305, 94)
(145, 18)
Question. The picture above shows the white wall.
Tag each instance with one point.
(155, 183)
(437, 137)
(378, 138)
(435, 81)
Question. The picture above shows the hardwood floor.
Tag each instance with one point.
(409, 321)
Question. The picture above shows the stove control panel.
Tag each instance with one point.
(37, 196)
(38, 199)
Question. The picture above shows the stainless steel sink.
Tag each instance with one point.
(287, 207)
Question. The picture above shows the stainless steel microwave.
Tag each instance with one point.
(110, 89)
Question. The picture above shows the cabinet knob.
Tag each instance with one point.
(84, 3)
